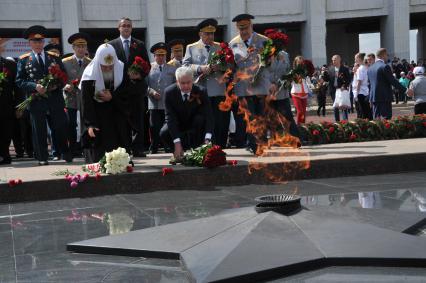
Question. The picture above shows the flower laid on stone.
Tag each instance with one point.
(113, 162)
(358, 130)
(167, 170)
(12, 183)
(207, 155)
(232, 162)
(140, 66)
(76, 179)
(51, 81)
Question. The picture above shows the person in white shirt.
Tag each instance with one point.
(360, 87)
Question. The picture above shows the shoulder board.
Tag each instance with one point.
(25, 55)
(235, 38)
(52, 53)
(192, 44)
(88, 59)
(215, 42)
(262, 36)
(171, 63)
(67, 59)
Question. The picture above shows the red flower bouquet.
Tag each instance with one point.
(140, 66)
(55, 78)
(222, 58)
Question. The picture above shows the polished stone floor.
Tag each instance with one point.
(33, 235)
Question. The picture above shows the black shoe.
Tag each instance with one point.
(6, 160)
(19, 155)
(67, 157)
(139, 154)
(43, 163)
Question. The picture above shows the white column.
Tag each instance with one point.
(235, 7)
(314, 32)
(395, 29)
(154, 23)
(421, 43)
(69, 22)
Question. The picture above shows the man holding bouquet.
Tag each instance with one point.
(198, 56)
(74, 66)
(41, 76)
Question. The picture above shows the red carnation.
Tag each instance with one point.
(129, 169)
(167, 170)
(97, 176)
(352, 137)
(232, 162)
(331, 130)
(12, 183)
(315, 132)
(387, 125)
(223, 45)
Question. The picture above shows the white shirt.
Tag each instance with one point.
(123, 39)
(43, 57)
(361, 75)
(208, 136)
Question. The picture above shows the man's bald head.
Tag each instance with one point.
(336, 60)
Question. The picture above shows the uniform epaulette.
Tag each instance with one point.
(67, 58)
(192, 44)
(52, 53)
(235, 38)
(262, 36)
(88, 59)
(25, 55)
(215, 42)
(170, 62)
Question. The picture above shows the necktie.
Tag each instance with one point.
(246, 43)
(40, 61)
(185, 97)
(208, 48)
(80, 63)
(126, 48)
(161, 68)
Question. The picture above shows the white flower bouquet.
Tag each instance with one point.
(114, 162)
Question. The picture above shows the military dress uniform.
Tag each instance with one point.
(280, 66)
(74, 68)
(30, 71)
(159, 78)
(247, 62)
(198, 54)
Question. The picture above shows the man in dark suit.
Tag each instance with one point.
(381, 80)
(127, 48)
(338, 77)
(32, 67)
(10, 94)
(189, 118)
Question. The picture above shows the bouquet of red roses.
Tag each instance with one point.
(275, 43)
(223, 58)
(207, 155)
(140, 66)
(3, 78)
(55, 78)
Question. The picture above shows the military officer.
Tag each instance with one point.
(74, 66)
(246, 47)
(176, 49)
(161, 75)
(53, 47)
(197, 56)
(32, 67)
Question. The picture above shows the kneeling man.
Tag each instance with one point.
(189, 120)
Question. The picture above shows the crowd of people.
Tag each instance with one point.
(101, 102)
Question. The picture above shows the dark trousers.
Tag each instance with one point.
(240, 136)
(283, 106)
(336, 110)
(382, 110)
(59, 126)
(364, 107)
(256, 106)
(138, 137)
(52, 135)
(420, 108)
(221, 121)
(6, 130)
(191, 137)
(156, 122)
(22, 137)
(321, 104)
(72, 129)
